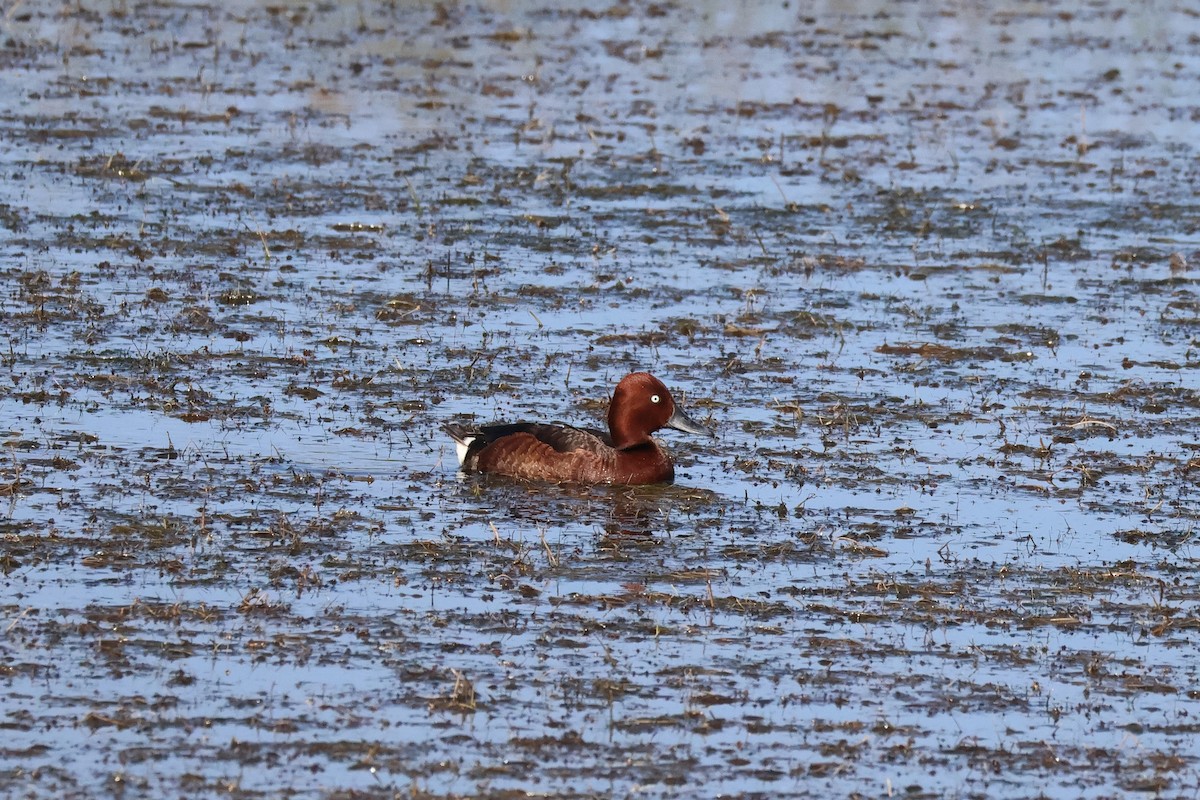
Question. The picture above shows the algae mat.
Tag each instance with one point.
(931, 270)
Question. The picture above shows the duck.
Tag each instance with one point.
(626, 454)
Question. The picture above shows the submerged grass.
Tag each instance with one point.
(944, 319)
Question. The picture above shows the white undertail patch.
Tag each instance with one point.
(461, 448)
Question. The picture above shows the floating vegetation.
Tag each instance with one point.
(936, 292)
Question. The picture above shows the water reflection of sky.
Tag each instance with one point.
(841, 178)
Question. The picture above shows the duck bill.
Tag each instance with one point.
(682, 422)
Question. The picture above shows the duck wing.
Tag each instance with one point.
(530, 449)
(561, 438)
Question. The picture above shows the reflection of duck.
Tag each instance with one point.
(640, 406)
(622, 515)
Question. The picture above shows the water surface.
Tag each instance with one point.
(930, 272)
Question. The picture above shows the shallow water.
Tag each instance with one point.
(929, 272)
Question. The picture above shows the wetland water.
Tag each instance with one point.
(931, 271)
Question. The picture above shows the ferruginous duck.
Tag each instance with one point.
(627, 454)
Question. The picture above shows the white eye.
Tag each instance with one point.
(654, 398)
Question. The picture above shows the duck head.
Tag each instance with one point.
(642, 405)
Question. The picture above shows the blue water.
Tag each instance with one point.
(930, 274)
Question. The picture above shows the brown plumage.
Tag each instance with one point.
(627, 454)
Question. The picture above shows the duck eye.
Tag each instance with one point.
(654, 398)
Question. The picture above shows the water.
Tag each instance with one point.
(928, 272)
